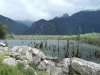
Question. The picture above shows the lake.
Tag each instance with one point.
(52, 46)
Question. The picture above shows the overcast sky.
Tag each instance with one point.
(44, 9)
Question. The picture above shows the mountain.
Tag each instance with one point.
(42, 27)
(87, 21)
(65, 16)
(25, 22)
(13, 26)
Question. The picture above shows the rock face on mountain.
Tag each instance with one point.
(69, 66)
(87, 21)
(42, 27)
(13, 26)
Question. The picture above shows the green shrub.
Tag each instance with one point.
(20, 66)
(3, 30)
(7, 70)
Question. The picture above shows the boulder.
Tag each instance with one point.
(55, 59)
(52, 70)
(37, 56)
(36, 52)
(21, 49)
(10, 61)
(15, 49)
(2, 44)
(82, 67)
(29, 56)
(4, 49)
(65, 65)
(66, 62)
(28, 51)
(16, 56)
(36, 60)
(45, 64)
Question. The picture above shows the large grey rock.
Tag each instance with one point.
(4, 49)
(55, 59)
(10, 61)
(65, 65)
(36, 60)
(45, 64)
(15, 48)
(82, 67)
(66, 62)
(2, 44)
(16, 56)
(21, 49)
(29, 56)
(27, 51)
(37, 56)
(52, 70)
(36, 52)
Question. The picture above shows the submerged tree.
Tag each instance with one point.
(67, 49)
(79, 52)
(3, 30)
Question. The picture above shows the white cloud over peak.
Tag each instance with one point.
(44, 9)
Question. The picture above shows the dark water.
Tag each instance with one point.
(52, 48)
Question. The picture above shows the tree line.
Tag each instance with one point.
(3, 30)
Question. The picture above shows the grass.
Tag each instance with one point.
(18, 69)
(40, 37)
(38, 71)
(2, 55)
(90, 38)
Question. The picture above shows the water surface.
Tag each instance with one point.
(52, 48)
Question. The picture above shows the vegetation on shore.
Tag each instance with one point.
(90, 38)
(3, 30)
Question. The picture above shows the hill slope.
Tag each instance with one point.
(13, 26)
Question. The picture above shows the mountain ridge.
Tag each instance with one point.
(13, 26)
(87, 21)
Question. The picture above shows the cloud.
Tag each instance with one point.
(44, 9)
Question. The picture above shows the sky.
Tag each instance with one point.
(34, 10)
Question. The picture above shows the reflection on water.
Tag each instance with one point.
(50, 47)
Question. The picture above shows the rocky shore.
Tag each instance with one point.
(53, 65)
